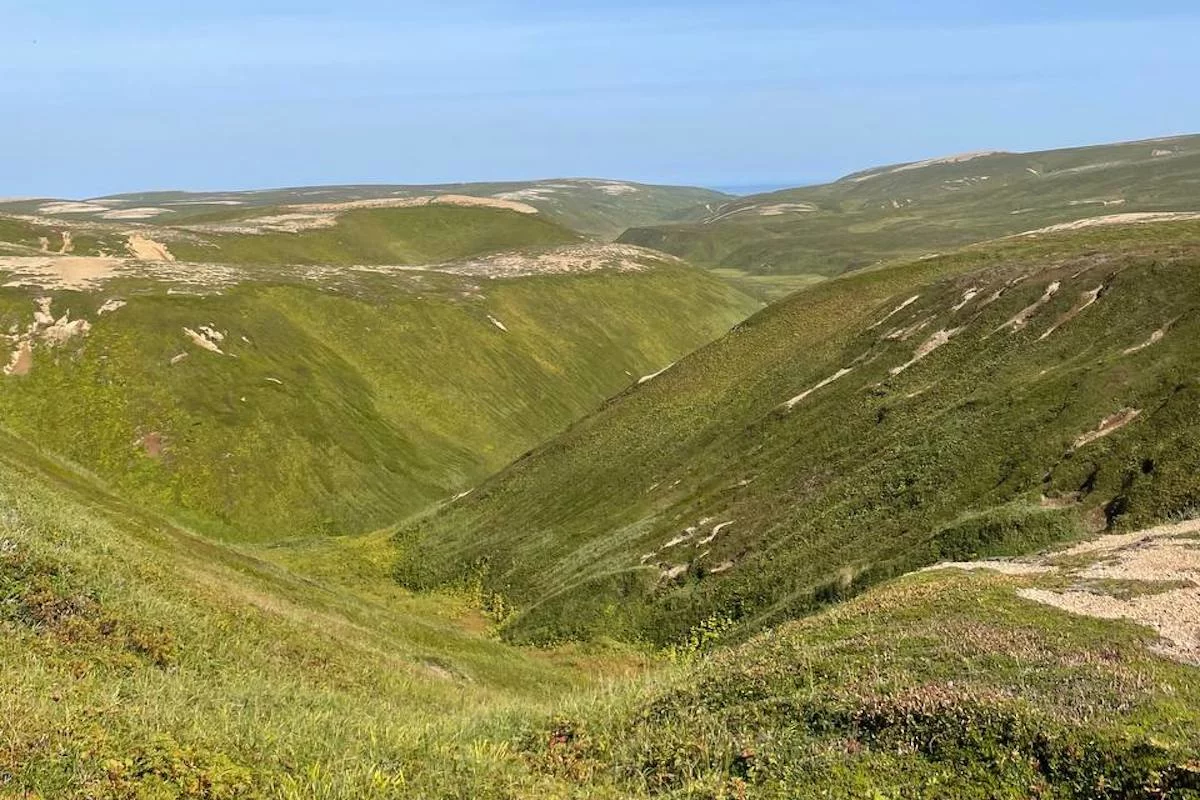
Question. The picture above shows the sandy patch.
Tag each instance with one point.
(1132, 218)
(653, 375)
(152, 444)
(136, 213)
(932, 343)
(1109, 425)
(618, 189)
(716, 531)
(1086, 299)
(45, 329)
(1156, 555)
(904, 334)
(561, 260)
(1023, 316)
(143, 248)
(1158, 565)
(21, 361)
(539, 193)
(1154, 339)
(778, 209)
(896, 310)
(205, 340)
(967, 296)
(71, 207)
(67, 272)
(837, 376)
(1003, 566)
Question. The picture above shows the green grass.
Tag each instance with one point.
(872, 476)
(769, 287)
(421, 235)
(343, 406)
(142, 660)
(939, 685)
(912, 213)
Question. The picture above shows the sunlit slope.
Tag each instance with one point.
(599, 208)
(267, 405)
(911, 210)
(987, 401)
(141, 660)
(940, 685)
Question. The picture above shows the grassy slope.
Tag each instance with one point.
(422, 235)
(144, 661)
(870, 476)
(914, 212)
(940, 685)
(346, 406)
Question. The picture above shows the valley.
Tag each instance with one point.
(517, 490)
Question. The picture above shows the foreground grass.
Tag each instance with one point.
(143, 662)
(937, 685)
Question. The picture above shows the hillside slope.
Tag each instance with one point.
(910, 210)
(266, 403)
(992, 400)
(142, 660)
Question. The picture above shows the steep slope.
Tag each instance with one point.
(142, 660)
(911, 210)
(992, 400)
(262, 403)
(599, 208)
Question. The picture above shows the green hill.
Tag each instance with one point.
(267, 404)
(866, 427)
(262, 533)
(911, 210)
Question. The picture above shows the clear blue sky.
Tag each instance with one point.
(102, 96)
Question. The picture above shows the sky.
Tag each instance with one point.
(104, 96)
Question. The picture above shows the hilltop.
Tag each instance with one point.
(912, 210)
(598, 208)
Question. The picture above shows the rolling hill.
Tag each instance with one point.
(262, 533)
(994, 400)
(268, 378)
(597, 208)
(911, 210)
